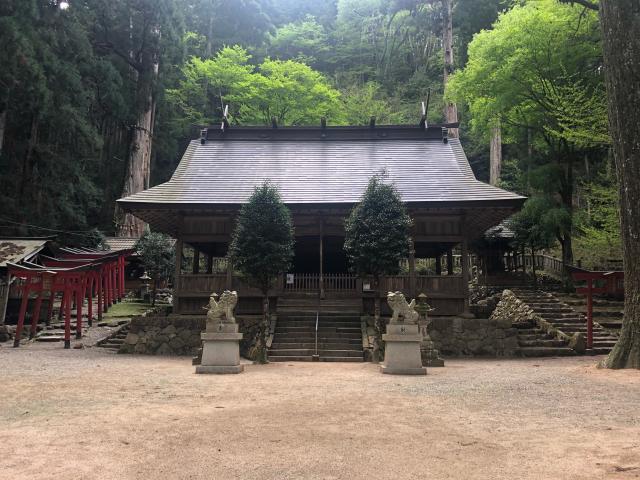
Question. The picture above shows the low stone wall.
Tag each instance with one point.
(456, 336)
(180, 335)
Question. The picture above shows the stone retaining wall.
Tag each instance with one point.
(179, 335)
(456, 336)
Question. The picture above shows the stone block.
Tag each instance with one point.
(131, 339)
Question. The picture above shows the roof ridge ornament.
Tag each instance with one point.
(225, 119)
(425, 110)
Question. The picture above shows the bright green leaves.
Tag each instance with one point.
(531, 70)
(290, 91)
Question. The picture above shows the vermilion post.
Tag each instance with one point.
(21, 315)
(100, 296)
(90, 299)
(80, 291)
(590, 313)
(68, 293)
(36, 312)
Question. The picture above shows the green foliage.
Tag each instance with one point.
(527, 70)
(599, 225)
(360, 103)
(377, 231)
(262, 243)
(540, 222)
(304, 41)
(290, 91)
(157, 255)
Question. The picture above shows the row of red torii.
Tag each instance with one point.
(78, 274)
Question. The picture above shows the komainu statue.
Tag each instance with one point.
(222, 310)
(400, 307)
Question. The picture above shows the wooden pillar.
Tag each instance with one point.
(80, 291)
(209, 263)
(438, 265)
(176, 277)
(229, 274)
(196, 261)
(412, 269)
(68, 293)
(90, 299)
(23, 312)
(464, 260)
(100, 296)
(321, 246)
(450, 262)
(36, 311)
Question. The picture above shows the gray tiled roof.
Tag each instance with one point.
(225, 172)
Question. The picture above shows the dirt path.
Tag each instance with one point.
(92, 414)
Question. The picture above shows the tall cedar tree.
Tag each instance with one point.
(262, 247)
(620, 20)
(377, 237)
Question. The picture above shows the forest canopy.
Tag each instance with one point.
(88, 89)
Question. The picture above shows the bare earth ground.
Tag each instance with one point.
(93, 414)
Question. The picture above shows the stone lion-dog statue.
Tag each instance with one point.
(221, 311)
(401, 308)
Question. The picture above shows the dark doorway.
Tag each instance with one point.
(307, 255)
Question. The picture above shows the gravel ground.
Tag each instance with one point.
(93, 414)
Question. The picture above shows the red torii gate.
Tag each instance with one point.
(613, 285)
(77, 275)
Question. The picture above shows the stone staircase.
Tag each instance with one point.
(564, 318)
(535, 342)
(114, 342)
(339, 330)
(607, 312)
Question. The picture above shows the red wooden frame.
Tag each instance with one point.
(78, 274)
(612, 286)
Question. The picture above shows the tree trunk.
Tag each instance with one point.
(495, 155)
(264, 327)
(620, 20)
(153, 293)
(139, 157)
(450, 109)
(378, 348)
(3, 123)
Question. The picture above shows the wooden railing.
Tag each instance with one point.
(340, 282)
(201, 283)
(304, 282)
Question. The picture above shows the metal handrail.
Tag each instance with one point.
(316, 356)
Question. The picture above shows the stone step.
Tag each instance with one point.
(50, 338)
(546, 351)
(603, 343)
(280, 329)
(302, 352)
(342, 345)
(291, 336)
(293, 323)
(534, 336)
(541, 343)
(274, 358)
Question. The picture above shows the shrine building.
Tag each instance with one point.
(321, 173)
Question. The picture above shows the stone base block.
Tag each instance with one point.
(403, 371)
(402, 350)
(221, 350)
(220, 370)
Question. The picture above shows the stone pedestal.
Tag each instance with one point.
(221, 350)
(402, 350)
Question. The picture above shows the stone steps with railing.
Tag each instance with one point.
(565, 319)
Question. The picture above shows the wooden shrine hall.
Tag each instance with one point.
(321, 173)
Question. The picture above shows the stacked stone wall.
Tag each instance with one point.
(457, 336)
(179, 335)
